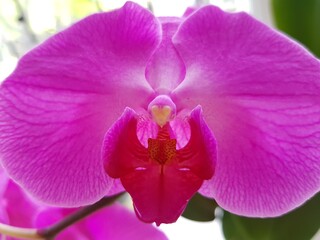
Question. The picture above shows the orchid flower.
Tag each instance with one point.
(113, 222)
(164, 107)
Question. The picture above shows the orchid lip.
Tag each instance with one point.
(159, 176)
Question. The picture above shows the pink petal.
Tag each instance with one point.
(3, 216)
(114, 222)
(3, 202)
(160, 192)
(19, 207)
(119, 223)
(16, 208)
(116, 187)
(65, 94)
(166, 69)
(49, 216)
(3, 181)
(260, 96)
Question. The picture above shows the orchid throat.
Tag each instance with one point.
(163, 148)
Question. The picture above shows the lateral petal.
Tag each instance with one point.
(65, 94)
(260, 95)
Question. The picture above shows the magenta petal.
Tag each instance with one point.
(116, 188)
(3, 202)
(166, 69)
(114, 222)
(49, 216)
(19, 207)
(260, 95)
(3, 217)
(16, 208)
(65, 94)
(3, 181)
(118, 223)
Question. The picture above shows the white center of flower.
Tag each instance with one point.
(161, 115)
(162, 109)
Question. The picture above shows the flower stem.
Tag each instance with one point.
(51, 231)
(25, 233)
